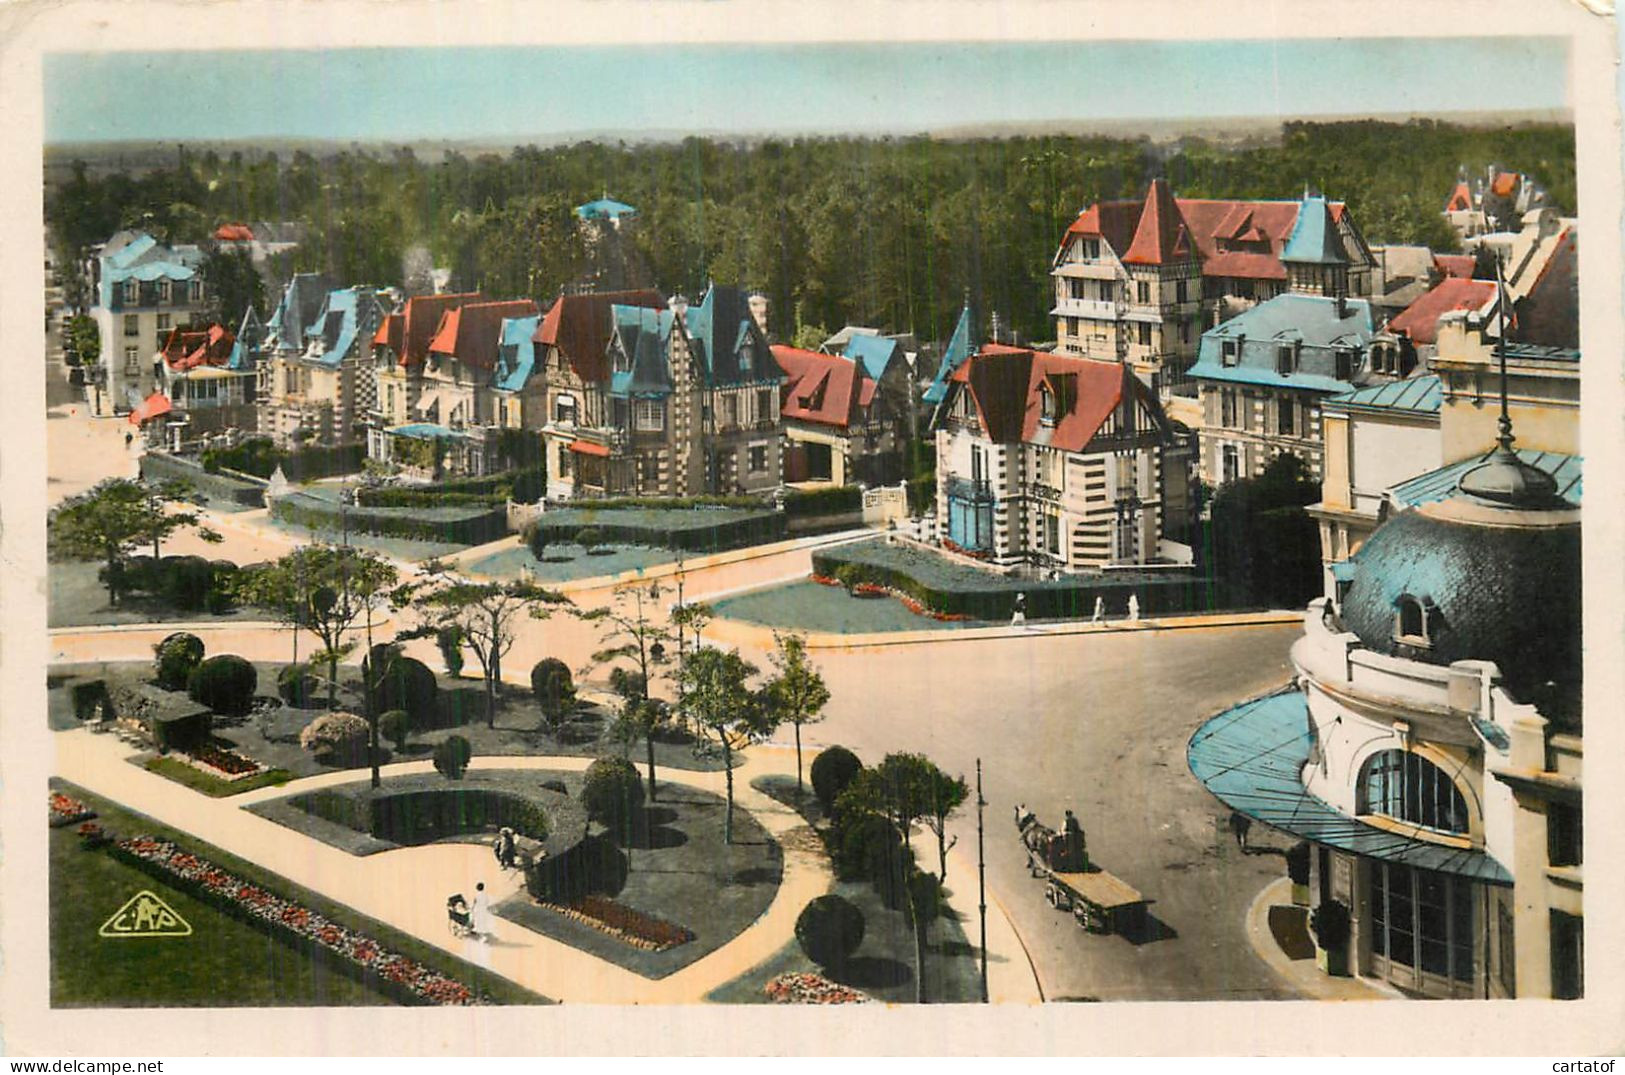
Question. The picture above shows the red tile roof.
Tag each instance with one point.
(1504, 184)
(1007, 387)
(1161, 236)
(580, 327)
(234, 233)
(1420, 320)
(827, 389)
(153, 406)
(186, 349)
(470, 332)
(1460, 198)
(408, 331)
(1459, 266)
(1111, 221)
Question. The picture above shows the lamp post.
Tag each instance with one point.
(981, 876)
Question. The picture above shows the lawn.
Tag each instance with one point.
(811, 606)
(398, 548)
(224, 962)
(214, 786)
(567, 562)
(76, 598)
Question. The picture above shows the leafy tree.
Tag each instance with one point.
(832, 772)
(551, 684)
(224, 683)
(484, 614)
(175, 657)
(797, 693)
(451, 757)
(107, 523)
(1267, 547)
(631, 633)
(612, 794)
(232, 285)
(829, 930)
(82, 341)
(725, 711)
(396, 726)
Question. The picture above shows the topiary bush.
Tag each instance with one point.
(176, 657)
(1297, 863)
(187, 581)
(1331, 924)
(451, 757)
(225, 684)
(405, 683)
(338, 736)
(588, 536)
(829, 930)
(612, 793)
(396, 726)
(833, 769)
(555, 692)
(298, 686)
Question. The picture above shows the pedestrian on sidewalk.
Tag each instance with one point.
(1019, 616)
(1133, 607)
(128, 438)
(1100, 610)
(484, 924)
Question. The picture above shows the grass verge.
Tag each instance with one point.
(213, 786)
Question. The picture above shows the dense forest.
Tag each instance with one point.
(889, 232)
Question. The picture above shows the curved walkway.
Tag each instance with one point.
(407, 888)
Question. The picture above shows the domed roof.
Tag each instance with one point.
(1493, 584)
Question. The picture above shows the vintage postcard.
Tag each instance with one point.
(548, 528)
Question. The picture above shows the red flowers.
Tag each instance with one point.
(807, 988)
(65, 810)
(825, 580)
(618, 920)
(284, 914)
(229, 762)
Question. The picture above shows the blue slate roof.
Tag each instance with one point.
(339, 325)
(954, 355)
(1314, 237)
(1417, 395)
(1308, 321)
(1438, 484)
(245, 350)
(516, 354)
(144, 259)
(721, 331)
(1250, 756)
(604, 209)
(301, 301)
(642, 334)
(874, 353)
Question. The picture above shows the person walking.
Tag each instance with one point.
(1019, 616)
(128, 437)
(480, 913)
(1133, 607)
(1100, 610)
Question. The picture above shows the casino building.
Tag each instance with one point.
(1429, 747)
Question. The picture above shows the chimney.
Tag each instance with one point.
(678, 305)
(758, 310)
(1342, 306)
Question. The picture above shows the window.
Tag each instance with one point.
(564, 410)
(1046, 405)
(730, 410)
(131, 292)
(1421, 921)
(1184, 332)
(978, 466)
(649, 415)
(1091, 249)
(650, 466)
(1181, 291)
(194, 292)
(1345, 365)
(1284, 359)
(744, 359)
(1411, 621)
(1145, 334)
(1232, 463)
(1408, 787)
(132, 324)
(1509, 951)
(166, 291)
(132, 361)
(1565, 844)
(1568, 956)
(1142, 292)
(758, 458)
(1284, 417)
(765, 411)
(565, 461)
(1230, 352)
(1227, 408)
(1052, 534)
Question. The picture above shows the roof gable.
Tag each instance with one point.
(822, 388)
(1314, 237)
(418, 320)
(1008, 386)
(580, 327)
(470, 333)
(1420, 320)
(1161, 236)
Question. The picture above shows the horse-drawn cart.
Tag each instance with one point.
(1100, 902)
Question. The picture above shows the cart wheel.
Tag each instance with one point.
(1081, 914)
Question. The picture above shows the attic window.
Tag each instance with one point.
(1345, 365)
(1285, 355)
(1230, 351)
(744, 359)
(1411, 621)
(1046, 405)
(1091, 249)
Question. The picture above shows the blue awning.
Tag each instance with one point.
(1251, 757)
(1343, 570)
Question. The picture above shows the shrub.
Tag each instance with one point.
(449, 640)
(187, 581)
(589, 536)
(1330, 921)
(850, 576)
(396, 726)
(830, 929)
(451, 757)
(142, 573)
(176, 656)
(405, 683)
(225, 684)
(869, 849)
(339, 736)
(833, 769)
(297, 685)
(1297, 863)
(834, 501)
(555, 692)
(612, 793)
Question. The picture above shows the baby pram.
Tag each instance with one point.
(458, 919)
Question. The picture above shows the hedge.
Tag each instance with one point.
(260, 457)
(833, 501)
(671, 503)
(955, 589)
(698, 530)
(160, 466)
(427, 814)
(492, 489)
(450, 525)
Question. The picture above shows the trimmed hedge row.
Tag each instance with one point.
(993, 597)
(260, 456)
(670, 503)
(451, 525)
(160, 466)
(420, 817)
(666, 531)
(522, 485)
(832, 501)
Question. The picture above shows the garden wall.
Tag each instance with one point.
(161, 466)
(944, 586)
(473, 525)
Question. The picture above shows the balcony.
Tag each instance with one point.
(1095, 309)
(1086, 270)
(975, 492)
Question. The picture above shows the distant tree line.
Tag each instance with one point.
(894, 232)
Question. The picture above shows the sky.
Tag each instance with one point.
(549, 92)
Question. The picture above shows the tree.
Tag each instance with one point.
(555, 693)
(1267, 547)
(484, 614)
(107, 523)
(832, 772)
(727, 714)
(82, 342)
(629, 632)
(611, 794)
(945, 794)
(232, 284)
(451, 757)
(797, 694)
(175, 657)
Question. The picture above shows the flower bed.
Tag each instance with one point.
(66, 810)
(409, 980)
(225, 764)
(826, 580)
(807, 988)
(620, 921)
(92, 834)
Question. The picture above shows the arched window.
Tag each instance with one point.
(1408, 787)
(1046, 404)
(1411, 620)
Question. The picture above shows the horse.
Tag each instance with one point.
(1035, 837)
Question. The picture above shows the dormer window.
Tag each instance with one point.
(1090, 249)
(1413, 618)
(1046, 405)
(564, 410)
(1345, 365)
(132, 292)
(1230, 352)
(1285, 359)
(165, 290)
(744, 359)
